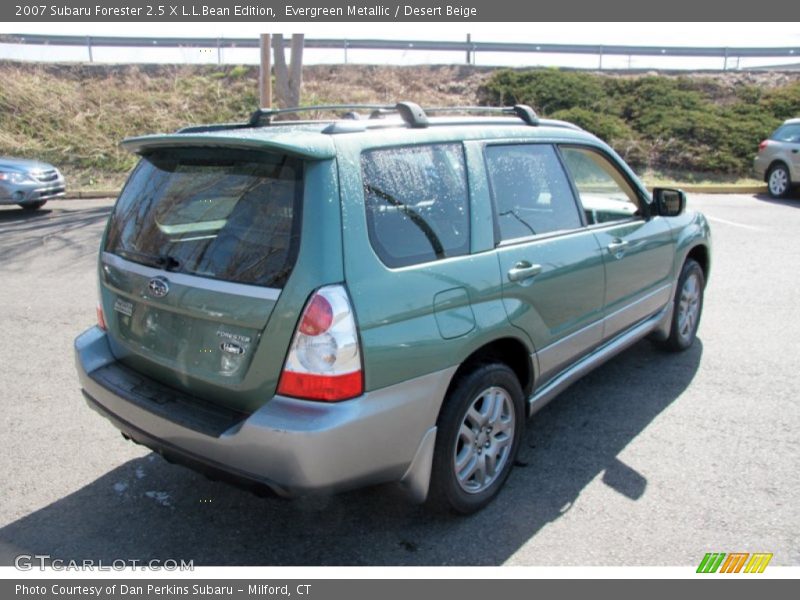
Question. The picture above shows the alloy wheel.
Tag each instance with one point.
(484, 442)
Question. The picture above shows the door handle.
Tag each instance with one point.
(523, 270)
(795, 151)
(617, 246)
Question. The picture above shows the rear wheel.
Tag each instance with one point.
(688, 306)
(778, 181)
(34, 205)
(479, 433)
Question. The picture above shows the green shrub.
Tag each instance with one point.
(783, 102)
(655, 121)
(609, 128)
(546, 91)
(239, 71)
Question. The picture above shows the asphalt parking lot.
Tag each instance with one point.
(654, 459)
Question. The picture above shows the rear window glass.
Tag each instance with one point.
(787, 133)
(223, 214)
(417, 203)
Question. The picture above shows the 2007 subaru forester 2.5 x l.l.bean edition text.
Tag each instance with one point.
(313, 306)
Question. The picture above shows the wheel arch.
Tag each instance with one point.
(775, 162)
(701, 255)
(780, 161)
(509, 351)
(489, 365)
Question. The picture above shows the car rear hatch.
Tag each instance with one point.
(197, 251)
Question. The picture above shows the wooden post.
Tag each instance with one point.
(265, 74)
(296, 69)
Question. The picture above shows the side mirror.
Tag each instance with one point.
(668, 202)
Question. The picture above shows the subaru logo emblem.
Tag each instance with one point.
(158, 287)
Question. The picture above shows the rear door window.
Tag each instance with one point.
(417, 203)
(217, 213)
(530, 190)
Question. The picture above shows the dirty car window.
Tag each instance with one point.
(417, 203)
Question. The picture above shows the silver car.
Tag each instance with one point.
(29, 183)
(778, 159)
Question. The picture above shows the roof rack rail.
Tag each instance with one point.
(264, 116)
(213, 127)
(412, 114)
(523, 111)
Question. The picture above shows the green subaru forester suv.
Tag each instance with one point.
(387, 296)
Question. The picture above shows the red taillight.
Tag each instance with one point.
(331, 388)
(101, 319)
(324, 359)
(763, 145)
(317, 317)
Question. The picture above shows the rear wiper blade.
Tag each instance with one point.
(164, 261)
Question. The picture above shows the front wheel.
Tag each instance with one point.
(778, 181)
(687, 308)
(479, 433)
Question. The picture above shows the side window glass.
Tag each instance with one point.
(604, 193)
(530, 190)
(417, 203)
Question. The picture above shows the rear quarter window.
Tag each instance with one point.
(217, 213)
(417, 203)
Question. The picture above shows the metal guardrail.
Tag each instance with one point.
(469, 47)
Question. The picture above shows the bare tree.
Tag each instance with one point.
(288, 80)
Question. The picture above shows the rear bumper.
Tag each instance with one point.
(760, 164)
(291, 446)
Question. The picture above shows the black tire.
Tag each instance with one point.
(688, 301)
(779, 182)
(485, 386)
(34, 205)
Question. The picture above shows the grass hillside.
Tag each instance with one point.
(75, 115)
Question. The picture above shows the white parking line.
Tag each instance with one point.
(726, 222)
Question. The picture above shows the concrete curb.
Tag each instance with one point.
(90, 194)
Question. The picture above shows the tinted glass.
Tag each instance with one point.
(416, 203)
(604, 192)
(530, 190)
(222, 214)
(787, 133)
